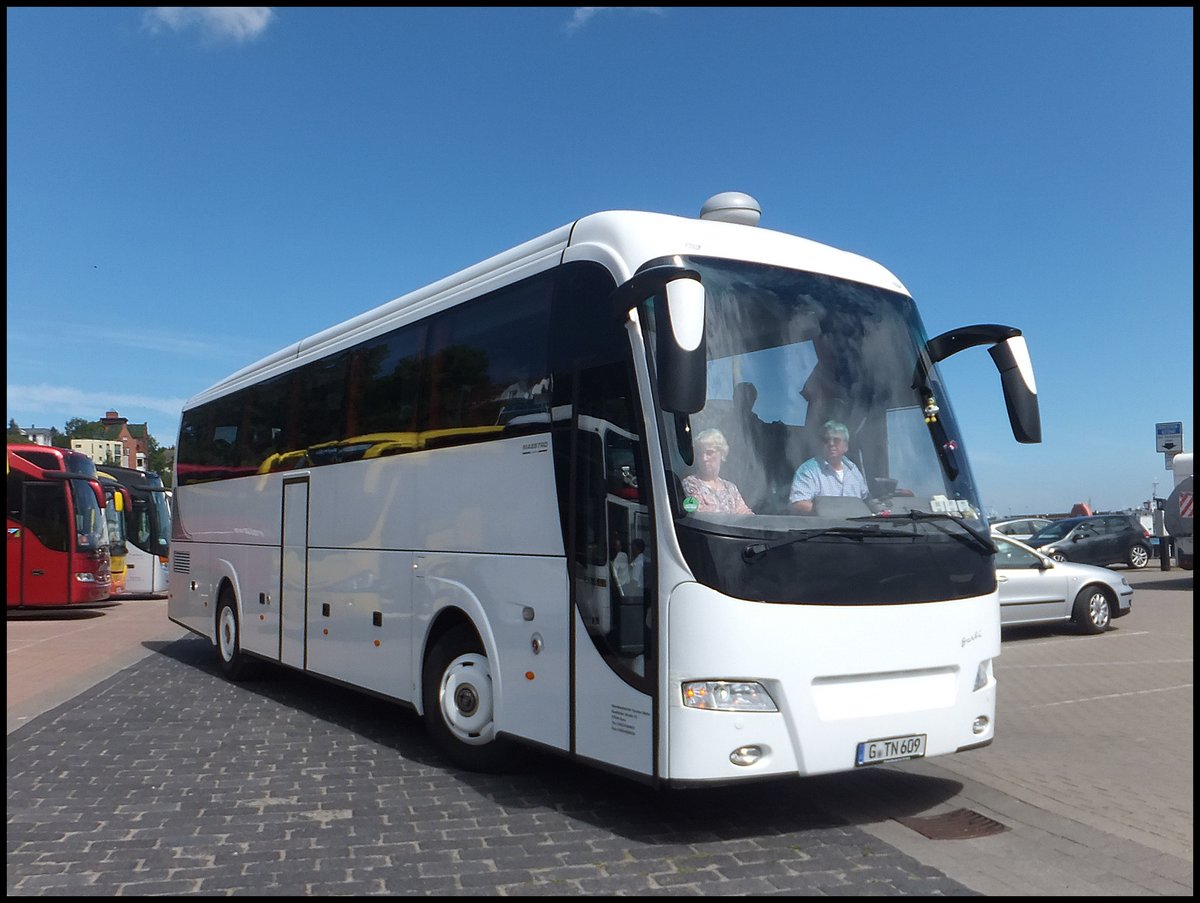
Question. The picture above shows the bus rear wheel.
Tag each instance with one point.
(459, 703)
(229, 639)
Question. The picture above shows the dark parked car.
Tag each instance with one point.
(1101, 539)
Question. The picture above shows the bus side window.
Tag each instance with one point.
(45, 515)
(16, 481)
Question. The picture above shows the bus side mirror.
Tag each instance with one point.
(682, 363)
(679, 350)
(1020, 391)
(1011, 356)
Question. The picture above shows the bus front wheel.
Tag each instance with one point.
(229, 639)
(459, 703)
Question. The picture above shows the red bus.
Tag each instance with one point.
(58, 551)
(117, 498)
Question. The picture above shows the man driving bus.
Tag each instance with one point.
(830, 473)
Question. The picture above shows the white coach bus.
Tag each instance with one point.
(423, 503)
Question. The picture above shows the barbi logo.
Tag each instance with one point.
(690, 504)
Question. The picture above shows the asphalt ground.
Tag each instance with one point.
(135, 769)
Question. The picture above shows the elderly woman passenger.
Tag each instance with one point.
(705, 485)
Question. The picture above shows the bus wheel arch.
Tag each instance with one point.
(228, 635)
(458, 698)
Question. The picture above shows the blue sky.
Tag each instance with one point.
(190, 190)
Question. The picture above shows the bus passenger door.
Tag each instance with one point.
(613, 589)
(293, 577)
(44, 551)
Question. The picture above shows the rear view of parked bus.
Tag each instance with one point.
(427, 502)
(147, 530)
(57, 537)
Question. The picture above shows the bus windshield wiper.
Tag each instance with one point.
(757, 550)
(970, 535)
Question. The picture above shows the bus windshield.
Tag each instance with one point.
(115, 517)
(834, 445)
(148, 516)
(150, 520)
(91, 524)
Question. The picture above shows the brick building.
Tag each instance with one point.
(122, 443)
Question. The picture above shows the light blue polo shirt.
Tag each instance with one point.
(815, 477)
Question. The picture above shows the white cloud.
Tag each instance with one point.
(220, 23)
(584, 14)
(162, 342)
(75, 402)
(46, 406)
(21, 337)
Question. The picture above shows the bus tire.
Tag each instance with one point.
(459, 703)
(229, 639)
(1093, 610)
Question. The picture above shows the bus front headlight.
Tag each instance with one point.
(728, 696)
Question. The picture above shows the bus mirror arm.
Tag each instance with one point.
(646, 282)
(1011, 356)
(680, 354)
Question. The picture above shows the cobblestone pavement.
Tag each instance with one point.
(166, 779)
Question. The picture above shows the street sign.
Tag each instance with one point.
(1169, 436)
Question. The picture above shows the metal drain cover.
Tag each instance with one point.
(960, 824)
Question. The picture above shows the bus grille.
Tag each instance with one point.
(182, 563)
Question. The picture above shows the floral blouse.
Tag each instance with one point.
(725, 500)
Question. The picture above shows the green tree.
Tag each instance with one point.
(161, 461)
(14, 433)
(78, 428)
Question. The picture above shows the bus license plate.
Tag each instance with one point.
(890, 749)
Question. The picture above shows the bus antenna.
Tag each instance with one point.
(732, 207)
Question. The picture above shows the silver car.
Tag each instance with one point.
(1035, 589)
